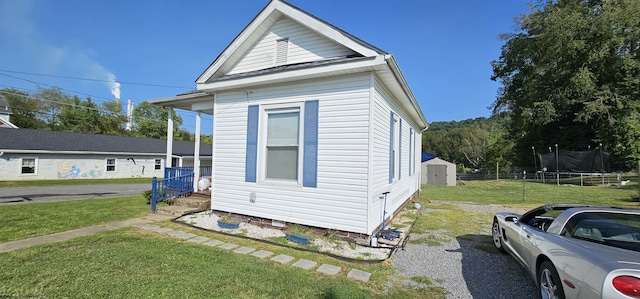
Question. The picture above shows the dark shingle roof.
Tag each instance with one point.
(56, 141)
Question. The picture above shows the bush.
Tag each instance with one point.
(147, 195)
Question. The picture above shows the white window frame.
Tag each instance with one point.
(265, 110)
(35, 166)
(115, 164)
(157, 164)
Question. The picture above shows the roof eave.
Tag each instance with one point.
(395, 69)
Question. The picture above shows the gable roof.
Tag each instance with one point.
(267, 17)
(29, 140)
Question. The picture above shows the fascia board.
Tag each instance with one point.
(293, 75)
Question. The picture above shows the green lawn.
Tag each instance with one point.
(36, 219)
(531, 193)
(37, 183)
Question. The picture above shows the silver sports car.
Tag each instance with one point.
(575, 251)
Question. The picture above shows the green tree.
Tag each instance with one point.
(570, 76)
(76, 115)
(151, 121)
(26, 109)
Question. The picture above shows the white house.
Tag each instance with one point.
(27, 154)
(312, 125)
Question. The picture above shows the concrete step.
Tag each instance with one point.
(176, 211)
(197, 202)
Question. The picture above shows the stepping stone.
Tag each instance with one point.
(282, 258)
(305, 264)
(359, 275)
(228, 246)
(147, 226)
(244, 250)
(262, 254)
(213, 243)
(182, 235)
(162, 230)
(198, 239)
(328, 269)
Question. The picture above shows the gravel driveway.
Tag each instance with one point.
(462, 269)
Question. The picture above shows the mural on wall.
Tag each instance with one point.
(68, 170)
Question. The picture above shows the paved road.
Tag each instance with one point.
(59, 193)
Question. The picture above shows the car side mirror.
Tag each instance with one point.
(513, 219)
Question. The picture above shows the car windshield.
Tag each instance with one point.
(620, 230)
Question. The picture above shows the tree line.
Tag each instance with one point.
(570, 75)
(52, 109)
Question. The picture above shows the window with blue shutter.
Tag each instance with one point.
(310, 157)
(252, 144)
(391, 146)
(400, 150)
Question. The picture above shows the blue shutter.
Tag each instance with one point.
(391, 147)
(400, 150)
(252, 144)
(310, 158)
(411, 151)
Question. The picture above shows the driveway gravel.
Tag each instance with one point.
(464, 270)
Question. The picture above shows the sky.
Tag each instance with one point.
(157, 48)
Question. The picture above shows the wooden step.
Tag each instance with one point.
(176, 211)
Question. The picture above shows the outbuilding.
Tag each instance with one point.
(437, 171)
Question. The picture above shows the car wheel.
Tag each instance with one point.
(549, 282)
(497, 237)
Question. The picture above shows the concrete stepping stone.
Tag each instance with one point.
(305, 264)
(182, 235)
(262, 254)
(147, 226)
(282, 258)
(213, 243)
(228, 246)
(244, 250)
(359, 275)
(198, 239)
(162, 230)
(328, 269)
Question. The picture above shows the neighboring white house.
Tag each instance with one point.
(312, 125)
(438, 172)
(27, 154)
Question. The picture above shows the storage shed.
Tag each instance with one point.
(438, 172)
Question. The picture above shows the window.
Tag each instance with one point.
(28, 166)
(282, 49)
(394, 147)
(111, 164)
(158, 164)
(282, 143)
(283, 129)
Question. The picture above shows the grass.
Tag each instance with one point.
(40, 183)
(510, 192)
(37, 219)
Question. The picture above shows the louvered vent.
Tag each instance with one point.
(282, 47)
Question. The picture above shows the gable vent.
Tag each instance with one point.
(282, 47)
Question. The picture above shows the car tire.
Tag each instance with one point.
(549, 283)
(497, 236)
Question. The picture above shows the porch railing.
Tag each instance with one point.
(177, 181)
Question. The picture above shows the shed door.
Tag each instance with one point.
(437, 175)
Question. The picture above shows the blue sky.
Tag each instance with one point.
(444, 48)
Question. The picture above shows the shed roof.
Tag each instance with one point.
(25, 140)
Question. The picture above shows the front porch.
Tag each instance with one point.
(182, 193)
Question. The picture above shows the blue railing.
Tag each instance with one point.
(171, 186)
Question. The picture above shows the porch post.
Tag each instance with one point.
(169, 138)
(196, 155)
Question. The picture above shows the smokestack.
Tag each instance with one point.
(129, 114)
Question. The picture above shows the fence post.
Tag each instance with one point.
(154, 183)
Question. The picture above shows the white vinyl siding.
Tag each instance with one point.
(340, 199)
(304, 45)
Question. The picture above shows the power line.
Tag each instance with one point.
(40, 83)
(97, 80)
